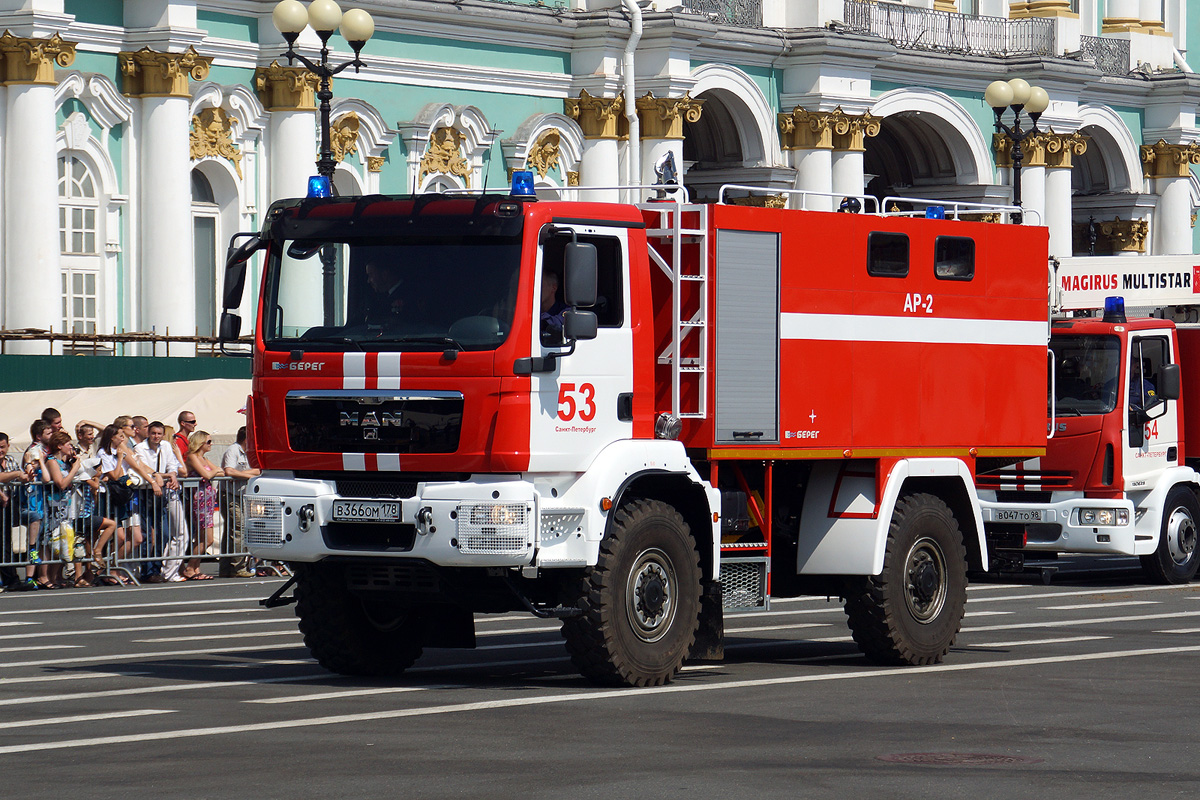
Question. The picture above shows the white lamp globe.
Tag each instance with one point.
(1020, 88)
(289, 16)
(998, 94)
(357, 25)
(1038, 100)
(324, 16)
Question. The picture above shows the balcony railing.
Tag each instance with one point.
(1110, 56)
(921, 29)
(745, 13)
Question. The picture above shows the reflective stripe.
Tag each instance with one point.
(354, 371)
(922, 329)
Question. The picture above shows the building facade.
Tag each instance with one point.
(137, 136)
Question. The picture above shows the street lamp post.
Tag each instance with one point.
(324, 16)
(1019, 96)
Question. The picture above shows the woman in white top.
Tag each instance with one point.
(116, 459)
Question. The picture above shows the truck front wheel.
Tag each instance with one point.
(1177, 557)
(641, 601)
(347, 634)
(911, 612)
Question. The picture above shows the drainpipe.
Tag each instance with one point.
(1180, 61)
(634, 161)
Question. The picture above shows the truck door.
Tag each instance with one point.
(1144, 462)
(585, 401)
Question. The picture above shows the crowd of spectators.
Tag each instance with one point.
(114, 503)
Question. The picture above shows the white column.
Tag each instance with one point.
(1122, 10)
(293, 148)
(32, 268)
(1058, 211)
(600, 166)
(168, 280)
(814, 173)
(1033, 192)
(1173, 217)
(847, 172)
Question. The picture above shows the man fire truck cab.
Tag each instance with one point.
(1114, 479)
(745, 402)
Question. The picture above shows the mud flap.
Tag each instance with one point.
(710, 637)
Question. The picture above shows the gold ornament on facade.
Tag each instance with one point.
(375, 163)
(444, 156)
(759, 201)
(1061, 148)
(573, 180)
(806, 130)
(1127, 236)
(281, 88)
(343, 136)
(662, 117)
(146, 73)
(1164, 160)
(1033, 150)
(33, 60)
(212, 135)
(598, 117)
(544, 154)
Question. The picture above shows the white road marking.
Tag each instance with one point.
(990, 613)
(305, 698)
(29, 723)
(584, 696)
(217, 636)
(1034, 641)
(760, 628)
(208, 651)
(224, 623)
(15, 624)
(1089, 606)
(1069, 622)
(74, 676)
(1113, 590)
(40, 648)
(180, 687)
(175, 614)
(1181, 630)
(116, 606)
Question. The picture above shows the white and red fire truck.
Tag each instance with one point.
(1114, 479)
(721, 404)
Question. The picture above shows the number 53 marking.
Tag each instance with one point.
(566, 397)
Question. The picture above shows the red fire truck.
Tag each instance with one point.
(1114, 479)
(631, 418)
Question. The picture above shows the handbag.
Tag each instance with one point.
(120, 491)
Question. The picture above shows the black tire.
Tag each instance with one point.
(347, 635)
(1177, 557)
(641, 601)
(911, 612)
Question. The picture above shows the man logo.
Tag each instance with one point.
(372, 419)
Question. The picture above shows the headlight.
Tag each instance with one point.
(1103, 516)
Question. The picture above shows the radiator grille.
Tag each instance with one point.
(399, 490)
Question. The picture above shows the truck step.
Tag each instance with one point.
(744, 583)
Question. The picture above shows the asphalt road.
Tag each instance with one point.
(1086, 687)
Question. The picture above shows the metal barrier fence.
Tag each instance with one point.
(114, 536)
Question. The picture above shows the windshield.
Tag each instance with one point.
(1086, 374)
(410, 293)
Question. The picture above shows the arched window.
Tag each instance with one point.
(205, 216)
(78, 234)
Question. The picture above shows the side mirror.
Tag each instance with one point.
(579, 268)
(235, 267)
(578, 325)
(1137, 430)
(1168, 379)
(231, 327)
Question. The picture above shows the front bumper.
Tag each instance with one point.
(1058, 528)
(488, 521)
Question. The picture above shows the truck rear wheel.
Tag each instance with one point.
(641, 601)
(1177, 557)
(348, 635)
(911, 612)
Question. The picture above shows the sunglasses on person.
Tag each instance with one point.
(187, 422)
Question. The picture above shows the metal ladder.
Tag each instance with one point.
(672, 247)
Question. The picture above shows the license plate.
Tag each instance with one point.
(1018, 515)
(387, 511)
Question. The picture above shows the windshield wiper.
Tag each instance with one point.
(332, 340)
(442, 340)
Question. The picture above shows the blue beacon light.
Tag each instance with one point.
(319, 186)
(522, 184)
(1114, 309)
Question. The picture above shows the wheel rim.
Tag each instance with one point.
(1181, 535)
(926, 583)
(650, 595)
